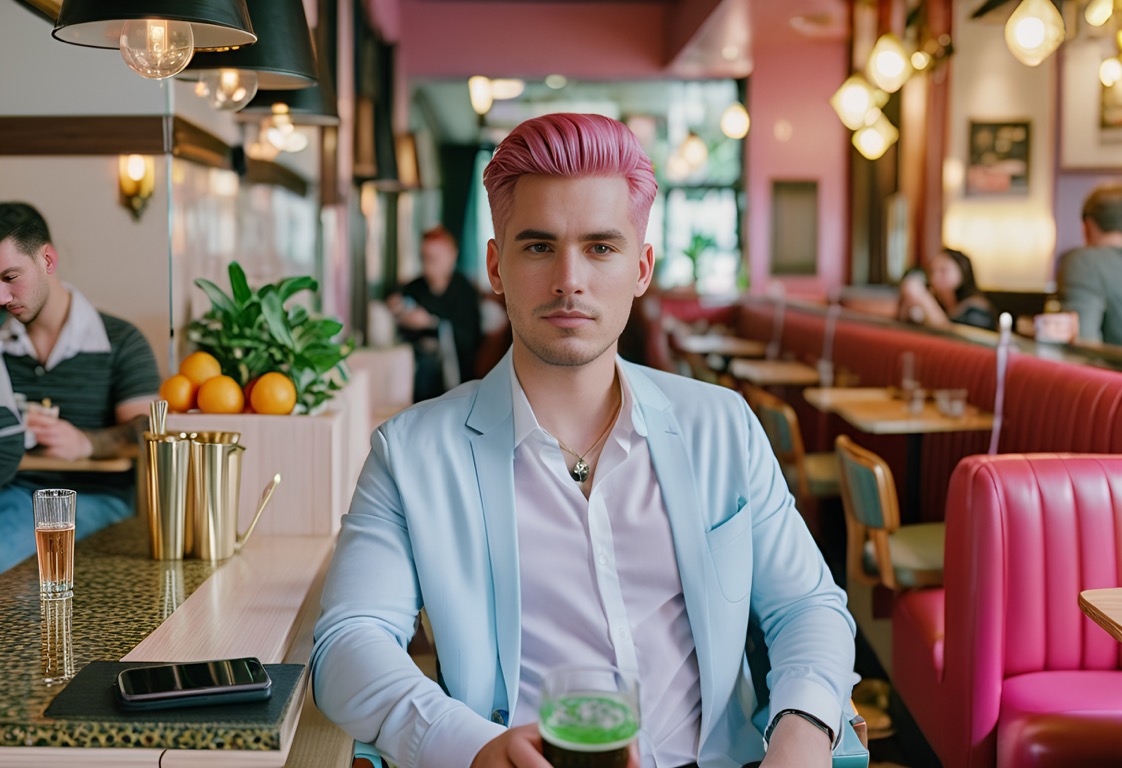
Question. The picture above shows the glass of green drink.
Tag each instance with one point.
(589, 717)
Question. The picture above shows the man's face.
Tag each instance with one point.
(438, 259)
(569, 262)
(23, 281)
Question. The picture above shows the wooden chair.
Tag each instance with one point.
(879, 550)
(809, 475)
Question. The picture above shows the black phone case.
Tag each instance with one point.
(196, 700)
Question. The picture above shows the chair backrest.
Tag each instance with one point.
(1026, 534)
(872, 511)
(781, 426)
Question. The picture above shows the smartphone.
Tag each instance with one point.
(195, 683)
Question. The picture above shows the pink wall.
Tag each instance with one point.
(605, 40)
(793, 82)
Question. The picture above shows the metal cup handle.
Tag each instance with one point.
(265, 496)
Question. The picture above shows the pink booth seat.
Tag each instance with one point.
(1000, 667)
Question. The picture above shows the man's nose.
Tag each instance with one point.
(569, 272)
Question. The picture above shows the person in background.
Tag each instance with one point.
(438, 313)
(96, 369)
(575, 508)
(11, 431)
(948, 294)
(1090, 278)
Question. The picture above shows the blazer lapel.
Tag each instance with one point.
(492, 419)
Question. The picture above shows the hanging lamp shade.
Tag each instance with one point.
(314, 105)
(215, 24)
(283, 56)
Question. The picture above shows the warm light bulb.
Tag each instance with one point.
(873, 140)
(854, 100)
(479, 91)
(1110, 71)
(507, 88)
(157, 48)
(296, 142)
(920, 60)
(694, 151)
(1098, 12)
(1033, 31)
(889, 66)
(229, 89)
(135, 167)
(735, 121)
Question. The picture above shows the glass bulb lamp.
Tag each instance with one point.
(889, 64)
(855, 99)
(155, 48)
(229, 90)
(1034, 31)
(735, 121)
(874, 139)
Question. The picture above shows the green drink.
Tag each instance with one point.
(589, 717)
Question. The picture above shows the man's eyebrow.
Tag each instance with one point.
(534, 234)
(608, 234)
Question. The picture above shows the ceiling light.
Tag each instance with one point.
(506, 88)
(1110, 71)
(889, 67)
(157, 39)
(920, 60)
(228, 90)
(1098, 12)
(314, 105)
(282, 58)
(855, 99)
(556, 82)
(482, 97)
(873, 140)
(1034, 31)
(694, 151)
(735, 121)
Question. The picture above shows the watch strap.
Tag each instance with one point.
(805, 716)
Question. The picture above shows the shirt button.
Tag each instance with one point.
(40, 370)
(603, 559)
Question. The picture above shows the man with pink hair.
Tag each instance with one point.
(575, 509)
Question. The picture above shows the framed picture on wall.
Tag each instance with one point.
(1090, 114)
(999, 158)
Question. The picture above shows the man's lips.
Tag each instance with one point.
(563, 319)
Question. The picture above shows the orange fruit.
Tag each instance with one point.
(220, 394)
(200, 366)
(273, 393)
(180, 392)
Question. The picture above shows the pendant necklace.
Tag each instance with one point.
(582, 469)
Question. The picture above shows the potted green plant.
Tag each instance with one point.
(252, 332)
(697, 247)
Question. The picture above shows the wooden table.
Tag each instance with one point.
(262, 602)
(774, 373)
(1104, 607)
(32, 462)
(876, 411)
(719, 344)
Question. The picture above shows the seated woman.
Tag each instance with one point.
(953, 296)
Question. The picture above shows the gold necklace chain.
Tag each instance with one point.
(582, 469)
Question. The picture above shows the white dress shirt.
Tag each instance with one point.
(599, 579)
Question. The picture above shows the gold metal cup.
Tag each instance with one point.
(165, 485)
(216, 475)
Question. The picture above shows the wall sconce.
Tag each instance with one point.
(480, 93)
(136, 178)
(1034, 31)
(856, 99)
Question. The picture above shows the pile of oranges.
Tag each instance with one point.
(201, 384)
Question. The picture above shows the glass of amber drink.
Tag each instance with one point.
(589, 717)
(54, 541)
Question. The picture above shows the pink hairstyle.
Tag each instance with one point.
(566, 144)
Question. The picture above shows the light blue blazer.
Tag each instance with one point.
(432, 523)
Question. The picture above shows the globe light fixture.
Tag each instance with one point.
(1110, 71)
(228, 90)
(1034, 31)
(1098, 12)
(889, 65)
(855, 99)
(874, 139)
(155, 48)
(481, 94)
(735, 121)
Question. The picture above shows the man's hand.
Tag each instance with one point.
(521, 747)
(796, 743)
(58, 437)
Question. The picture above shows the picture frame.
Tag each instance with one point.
(999, 154)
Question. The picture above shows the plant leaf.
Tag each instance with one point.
(273, 310)
(218, 298)
(238, 284)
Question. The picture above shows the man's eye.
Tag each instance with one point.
(538, 248)
(601, 250)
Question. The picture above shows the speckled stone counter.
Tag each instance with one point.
(120, 596)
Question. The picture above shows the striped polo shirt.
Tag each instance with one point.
(98, 363)
(11, 430)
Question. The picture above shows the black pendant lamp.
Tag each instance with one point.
(215, 24)
(315, 105)
(282, 58)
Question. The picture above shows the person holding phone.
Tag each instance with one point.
(573, 508)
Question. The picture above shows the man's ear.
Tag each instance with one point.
(646, 269)
(493, 275)
(50, 258)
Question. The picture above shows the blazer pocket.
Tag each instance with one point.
(731, 550)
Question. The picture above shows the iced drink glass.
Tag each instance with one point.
(589, 717)
(54, 541)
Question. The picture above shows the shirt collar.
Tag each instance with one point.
(82, 332)
(526, 423)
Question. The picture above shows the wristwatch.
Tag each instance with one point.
(805, 716)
